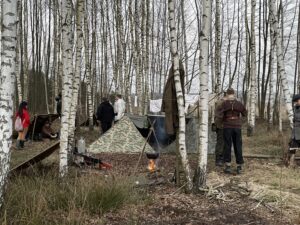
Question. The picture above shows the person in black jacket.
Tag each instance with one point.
(105, 114)
(58, 104)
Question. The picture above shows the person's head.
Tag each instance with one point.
(104, 99)
(47, 122)
(118, 96)
(57, 98)
(296, 99)
(230, 91)
(23, 105)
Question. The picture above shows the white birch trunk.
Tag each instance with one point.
(88, 73)
(272, 79)
(67, 53)
(281, 69)
(204, 95)
(7, 86)
(253, 87)
(179, 95)
(76, 83)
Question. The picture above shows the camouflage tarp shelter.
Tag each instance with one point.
(123, 137)
(192, 139)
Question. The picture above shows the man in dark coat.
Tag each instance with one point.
(169, 101)
(105, 114)
(231, 112)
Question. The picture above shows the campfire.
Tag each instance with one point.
(152, 165)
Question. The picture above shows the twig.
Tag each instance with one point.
(179, 189)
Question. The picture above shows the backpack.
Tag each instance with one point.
(18, 124)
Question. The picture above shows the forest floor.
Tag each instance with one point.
(266, 193)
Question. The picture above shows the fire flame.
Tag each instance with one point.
(151, 165)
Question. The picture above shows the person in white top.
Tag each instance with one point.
(119, 107)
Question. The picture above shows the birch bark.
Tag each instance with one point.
(179, 95)
(79, 45)
(7, 86)
(204, 95)
(281, 69)
(67, 52)
(253, 87)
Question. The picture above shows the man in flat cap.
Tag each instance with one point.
(231, 112)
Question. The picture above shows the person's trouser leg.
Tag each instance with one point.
(237, 144)
(219, 151)
(105, 126)
(227, 133)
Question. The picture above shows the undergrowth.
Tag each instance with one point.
(39, 199)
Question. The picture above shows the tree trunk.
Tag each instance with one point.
(281, 68)
(67, 53)
(218, 49)
(7, 86)
(271, 75)
(88, 73)
(253, 87)
(179, 95)
(204, 95)
(79, 45)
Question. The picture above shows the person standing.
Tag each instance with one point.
(119, 107)
(231, 111)
(105, 114)
(58, 104)
(219, 150)
(23, 114)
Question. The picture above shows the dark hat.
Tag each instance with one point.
(24, 103)
(296, 97)
(230, 91)
(105, 99)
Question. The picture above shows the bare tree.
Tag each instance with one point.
(204, 94)
(281, 68)
(67, 53)
(253, 87)
(179, 95)
(7, 86)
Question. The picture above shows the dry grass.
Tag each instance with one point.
(43, 198)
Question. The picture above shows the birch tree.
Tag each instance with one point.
(280, 62)
(253, 88)
(67, 51)
(7, 86)
(200, 174)
(88, 72)
(179, 95)
(271, 75)
(79, 45)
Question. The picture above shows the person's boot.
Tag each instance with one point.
(227, 169)
(22, 143)
(239, 169)
(18, 144)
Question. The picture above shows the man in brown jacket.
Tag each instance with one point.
(231, 112)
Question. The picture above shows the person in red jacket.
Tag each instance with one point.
(24, 115)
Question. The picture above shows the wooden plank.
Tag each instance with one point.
(259, 156)
(36, 158)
